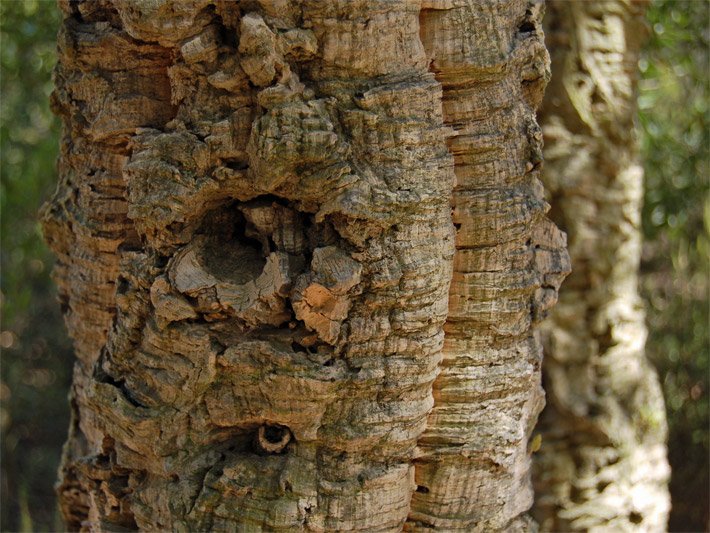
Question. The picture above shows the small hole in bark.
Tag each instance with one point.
(217, 346)
(220, 256)
(457, 225)
(272, 438)
(235, 164)
(527, 27)
(635, 518)
(329, 362)
(122, 285)
(101, 376)
(422, 489)
(602, 485)
(296, 347)
(227, 35)
(273, 434)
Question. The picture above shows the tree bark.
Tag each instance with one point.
(602, 465)
(473, 468)
(255, 249)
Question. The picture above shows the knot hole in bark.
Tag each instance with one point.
(272, 438)
(527, 27)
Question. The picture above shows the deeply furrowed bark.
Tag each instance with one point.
(602, 465)
(275, 226)
(255, 251)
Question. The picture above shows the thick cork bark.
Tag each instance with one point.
(255, 255)
(473, 466)
(602, 465)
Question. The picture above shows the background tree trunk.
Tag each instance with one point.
(602, 465)
(255, 250)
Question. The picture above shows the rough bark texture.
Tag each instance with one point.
(602, 465)
(473, 469)
(255, 249)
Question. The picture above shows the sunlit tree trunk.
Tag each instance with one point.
(255, 250)
(473, 465)
(602, 465)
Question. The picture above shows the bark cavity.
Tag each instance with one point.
(272, 438)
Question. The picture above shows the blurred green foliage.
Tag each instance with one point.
(674, 129)
(36, 358)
